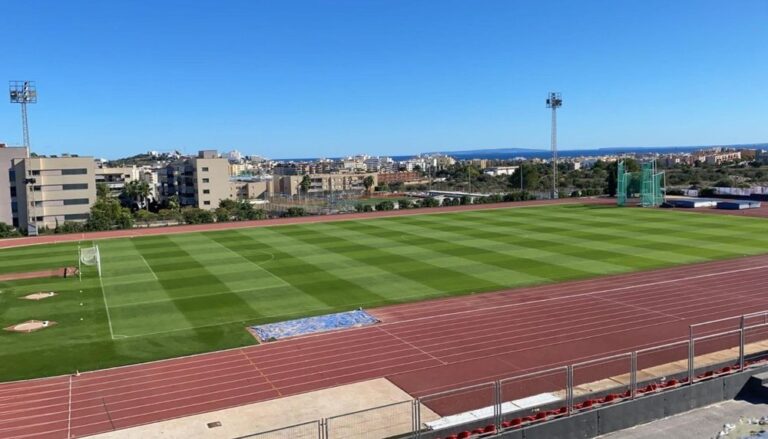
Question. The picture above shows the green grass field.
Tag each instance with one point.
(165, 296)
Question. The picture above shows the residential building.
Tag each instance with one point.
(150, 175)
(725, 156)
(200, 181)
(116, 178)
(322, 183)
(398, 177)
(500, 170)
(51, 190)
(8, 199)
(248, 189)
(379, 164)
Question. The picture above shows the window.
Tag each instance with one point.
(205, 169)
(206, 180)
(74, 186)
(75, 216)
(77, 171)
(206, 203)
(75, 201)
(35, 172)
(206, 191)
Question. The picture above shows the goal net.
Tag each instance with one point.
(90, 256)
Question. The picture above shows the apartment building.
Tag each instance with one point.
(200, 181)
(116, 178)
(8, 199)
(500, 170)
(51, 190)
(322, 183)
(398, 177)
(248, 189)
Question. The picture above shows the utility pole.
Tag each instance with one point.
(469, 180)
(554, 102)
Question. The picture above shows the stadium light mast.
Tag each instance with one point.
(23, 92)
(554, 101)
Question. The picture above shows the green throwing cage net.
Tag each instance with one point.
(647, 184)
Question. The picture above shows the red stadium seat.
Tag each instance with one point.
(541, 415)
(464, 435)
(516, 422)
(477, 431)
(489, 429)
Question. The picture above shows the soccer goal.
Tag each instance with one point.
(89, 256)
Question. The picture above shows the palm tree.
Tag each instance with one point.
(138, 191)
(305, 184)
(368, 183)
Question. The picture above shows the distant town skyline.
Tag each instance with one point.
(319, 78)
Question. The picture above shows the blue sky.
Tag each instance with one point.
(287, 78)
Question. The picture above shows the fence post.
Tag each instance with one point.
(324, 423)
(416, 425)
(691, 353)
(497, 403)
(569, 389)
(742, 339)
(417, 420)
(633, 375)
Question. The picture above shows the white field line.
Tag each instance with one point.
(106, 307)
(148, 266)
(284, 283)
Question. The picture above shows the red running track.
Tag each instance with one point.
(423, 348)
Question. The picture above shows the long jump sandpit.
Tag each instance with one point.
(291, 410)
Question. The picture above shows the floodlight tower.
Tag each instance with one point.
(23, 92)
(554, 101)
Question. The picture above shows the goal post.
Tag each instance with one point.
(90, 256)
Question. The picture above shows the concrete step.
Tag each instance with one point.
(759, 380)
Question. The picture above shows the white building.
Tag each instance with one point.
(500, 170)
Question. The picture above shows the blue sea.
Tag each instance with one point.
(507, 154)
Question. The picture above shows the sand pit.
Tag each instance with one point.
(40, 295)
(30, 326)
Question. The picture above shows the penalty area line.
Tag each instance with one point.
(148, 266)
(106, 307)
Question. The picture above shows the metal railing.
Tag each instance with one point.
(713, 348)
